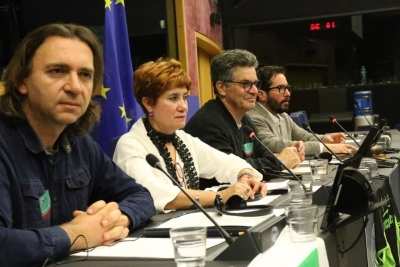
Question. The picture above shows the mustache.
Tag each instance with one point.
(287, 99)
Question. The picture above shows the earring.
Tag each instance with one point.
(151, 114)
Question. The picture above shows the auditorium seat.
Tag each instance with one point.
(299, 117)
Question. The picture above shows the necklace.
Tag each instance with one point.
(159, 140)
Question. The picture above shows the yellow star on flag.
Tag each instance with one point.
(120, 2)
(104, 90)
(108, 4)
(123, 114)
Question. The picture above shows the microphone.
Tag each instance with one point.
(307, 127)
(362, 112)
(155, 163)
(252, 135)
(333, 119)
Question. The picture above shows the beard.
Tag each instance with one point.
(278, 107)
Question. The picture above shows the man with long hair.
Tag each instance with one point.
(59, 192)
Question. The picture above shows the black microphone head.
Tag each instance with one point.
(247, 130)
(326, 155)
(333, 119)
(305, 125)
(152, 160)
(356, 103)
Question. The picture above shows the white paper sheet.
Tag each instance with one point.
(277, 185)
(264, 201)
(157, 248)
(199, 219)
(304, 163)
(300, 170)
(351, 141)
(315, 188)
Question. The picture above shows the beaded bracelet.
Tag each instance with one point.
(240, 175)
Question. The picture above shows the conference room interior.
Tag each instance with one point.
(322, 46)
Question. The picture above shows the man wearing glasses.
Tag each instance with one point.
(218, 123)
(276, 129)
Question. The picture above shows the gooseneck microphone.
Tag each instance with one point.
(362, 112)
(307, 127)
(334, 120)
(252, 135)
(155, 163)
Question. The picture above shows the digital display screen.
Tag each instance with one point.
(322, 25)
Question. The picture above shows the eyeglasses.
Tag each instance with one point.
(181, 174)
(247, 85)
(282, 88)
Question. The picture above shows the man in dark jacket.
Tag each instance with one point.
(219, 122)
(58, 191)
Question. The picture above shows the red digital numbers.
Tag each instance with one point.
(317, 26)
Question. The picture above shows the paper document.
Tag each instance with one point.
(277, 185)
(157, 248)
(304, 163)
(315, 188)
(300, 170)
(199, 219)
(351, 141)
(216, 188)
(264, 201)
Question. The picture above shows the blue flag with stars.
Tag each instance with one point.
(117, 100)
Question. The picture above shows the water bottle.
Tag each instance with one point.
(363, 75)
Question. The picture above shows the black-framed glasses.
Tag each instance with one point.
(181, 174)
(247, 85)
(282, 88)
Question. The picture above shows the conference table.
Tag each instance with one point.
(362, 253)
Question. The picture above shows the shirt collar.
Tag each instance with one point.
(33, 143)
(278, 119)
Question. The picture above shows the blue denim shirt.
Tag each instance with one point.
(78, 175)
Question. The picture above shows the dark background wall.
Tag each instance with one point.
(252, 12)
(148, 40)
(324, 62)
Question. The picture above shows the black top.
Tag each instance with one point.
(214, 125)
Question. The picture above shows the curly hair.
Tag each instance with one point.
(20, 68)
(224, 64)
(265, 74)
(153, 78)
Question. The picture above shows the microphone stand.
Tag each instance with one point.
(333, 119)
(155, 163)
(307, 127)
(252, 135)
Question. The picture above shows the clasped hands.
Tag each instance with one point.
(101, 224)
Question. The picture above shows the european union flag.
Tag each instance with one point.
(117, 100)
